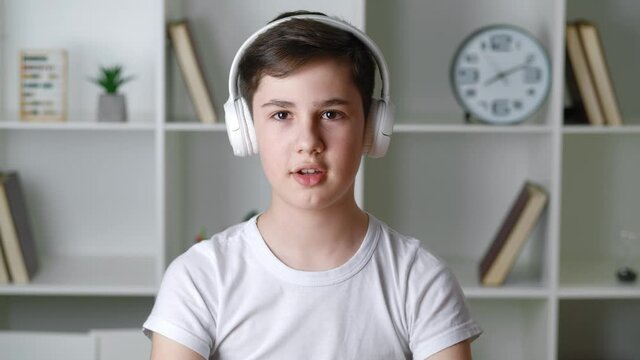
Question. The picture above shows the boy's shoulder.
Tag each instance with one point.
(406, 250)
(222, 244)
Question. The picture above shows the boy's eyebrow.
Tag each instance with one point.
(289, 104)
(278, 103)
(331, 102)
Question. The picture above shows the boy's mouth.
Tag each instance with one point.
(309, 176)
(309, 171)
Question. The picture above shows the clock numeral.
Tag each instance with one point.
(471, 58)
(470, 93)
(501, 42)
(466, 76)
(530, 58)
(531, 92)
(500, 107)
(517, 105)
(532, 75)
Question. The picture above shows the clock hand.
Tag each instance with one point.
(505, 73)
(495, 68)
(499, 75)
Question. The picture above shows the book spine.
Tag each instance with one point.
(503, 234)
(191, 69)
(4, 271)
(22, 225)
(599, 69)
(521, 232)
(575, 113)
(15, 261)
(584, 81)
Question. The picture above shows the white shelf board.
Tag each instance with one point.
(193, 126)
(595, 279)
(471, 129)
(604, 130)
(103, 344)
(505, 292)
(12, 125)
(136, 122)
(619, 292)
(520, 286)
(90, 275)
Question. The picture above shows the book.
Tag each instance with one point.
(15, 230)
(4, 272)
(595, 58)
(512, 234)
(580, 83)
(191, 69)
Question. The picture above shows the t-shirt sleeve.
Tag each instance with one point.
(438, 315)
(184, 310)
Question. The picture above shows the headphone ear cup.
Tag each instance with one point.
(251, 144)
(379, 128)
(233, 128)
(240, 127)
(370, 126)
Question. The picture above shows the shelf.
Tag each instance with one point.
(77, 126)
(519, 286)
(604, 130)
(103, 344)
(217, 127)
(506, 292)
(86, 122)
(471, 129)
(595, 279)
(90, 275)
(146, 186)
(591, 293)
(454, 123)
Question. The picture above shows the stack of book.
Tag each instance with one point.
(18, 258)
(516, 228)
(593, 100)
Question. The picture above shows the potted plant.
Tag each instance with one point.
(111, 105)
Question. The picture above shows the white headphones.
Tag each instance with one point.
(238, 119)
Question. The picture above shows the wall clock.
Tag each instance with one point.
(500, 74)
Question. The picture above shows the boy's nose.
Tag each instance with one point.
(309, 139)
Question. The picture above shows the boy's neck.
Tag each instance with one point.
(313, 240)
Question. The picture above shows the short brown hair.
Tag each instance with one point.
(285, 48)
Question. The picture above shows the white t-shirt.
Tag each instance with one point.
(230, 297)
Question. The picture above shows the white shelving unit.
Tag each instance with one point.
(113, 204)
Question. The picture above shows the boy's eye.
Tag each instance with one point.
(332, 115)
(281, 115)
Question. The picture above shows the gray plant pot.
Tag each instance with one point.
(112, 108)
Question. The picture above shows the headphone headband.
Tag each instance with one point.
(234, 91)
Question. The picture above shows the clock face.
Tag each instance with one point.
(501, 74)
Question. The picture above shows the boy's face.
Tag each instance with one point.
(310, 129)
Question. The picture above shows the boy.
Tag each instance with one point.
(314, 276)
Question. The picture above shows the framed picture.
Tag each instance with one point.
(43, 85)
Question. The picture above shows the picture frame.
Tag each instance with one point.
(43, 85)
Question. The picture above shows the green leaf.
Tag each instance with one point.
(110, 78)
